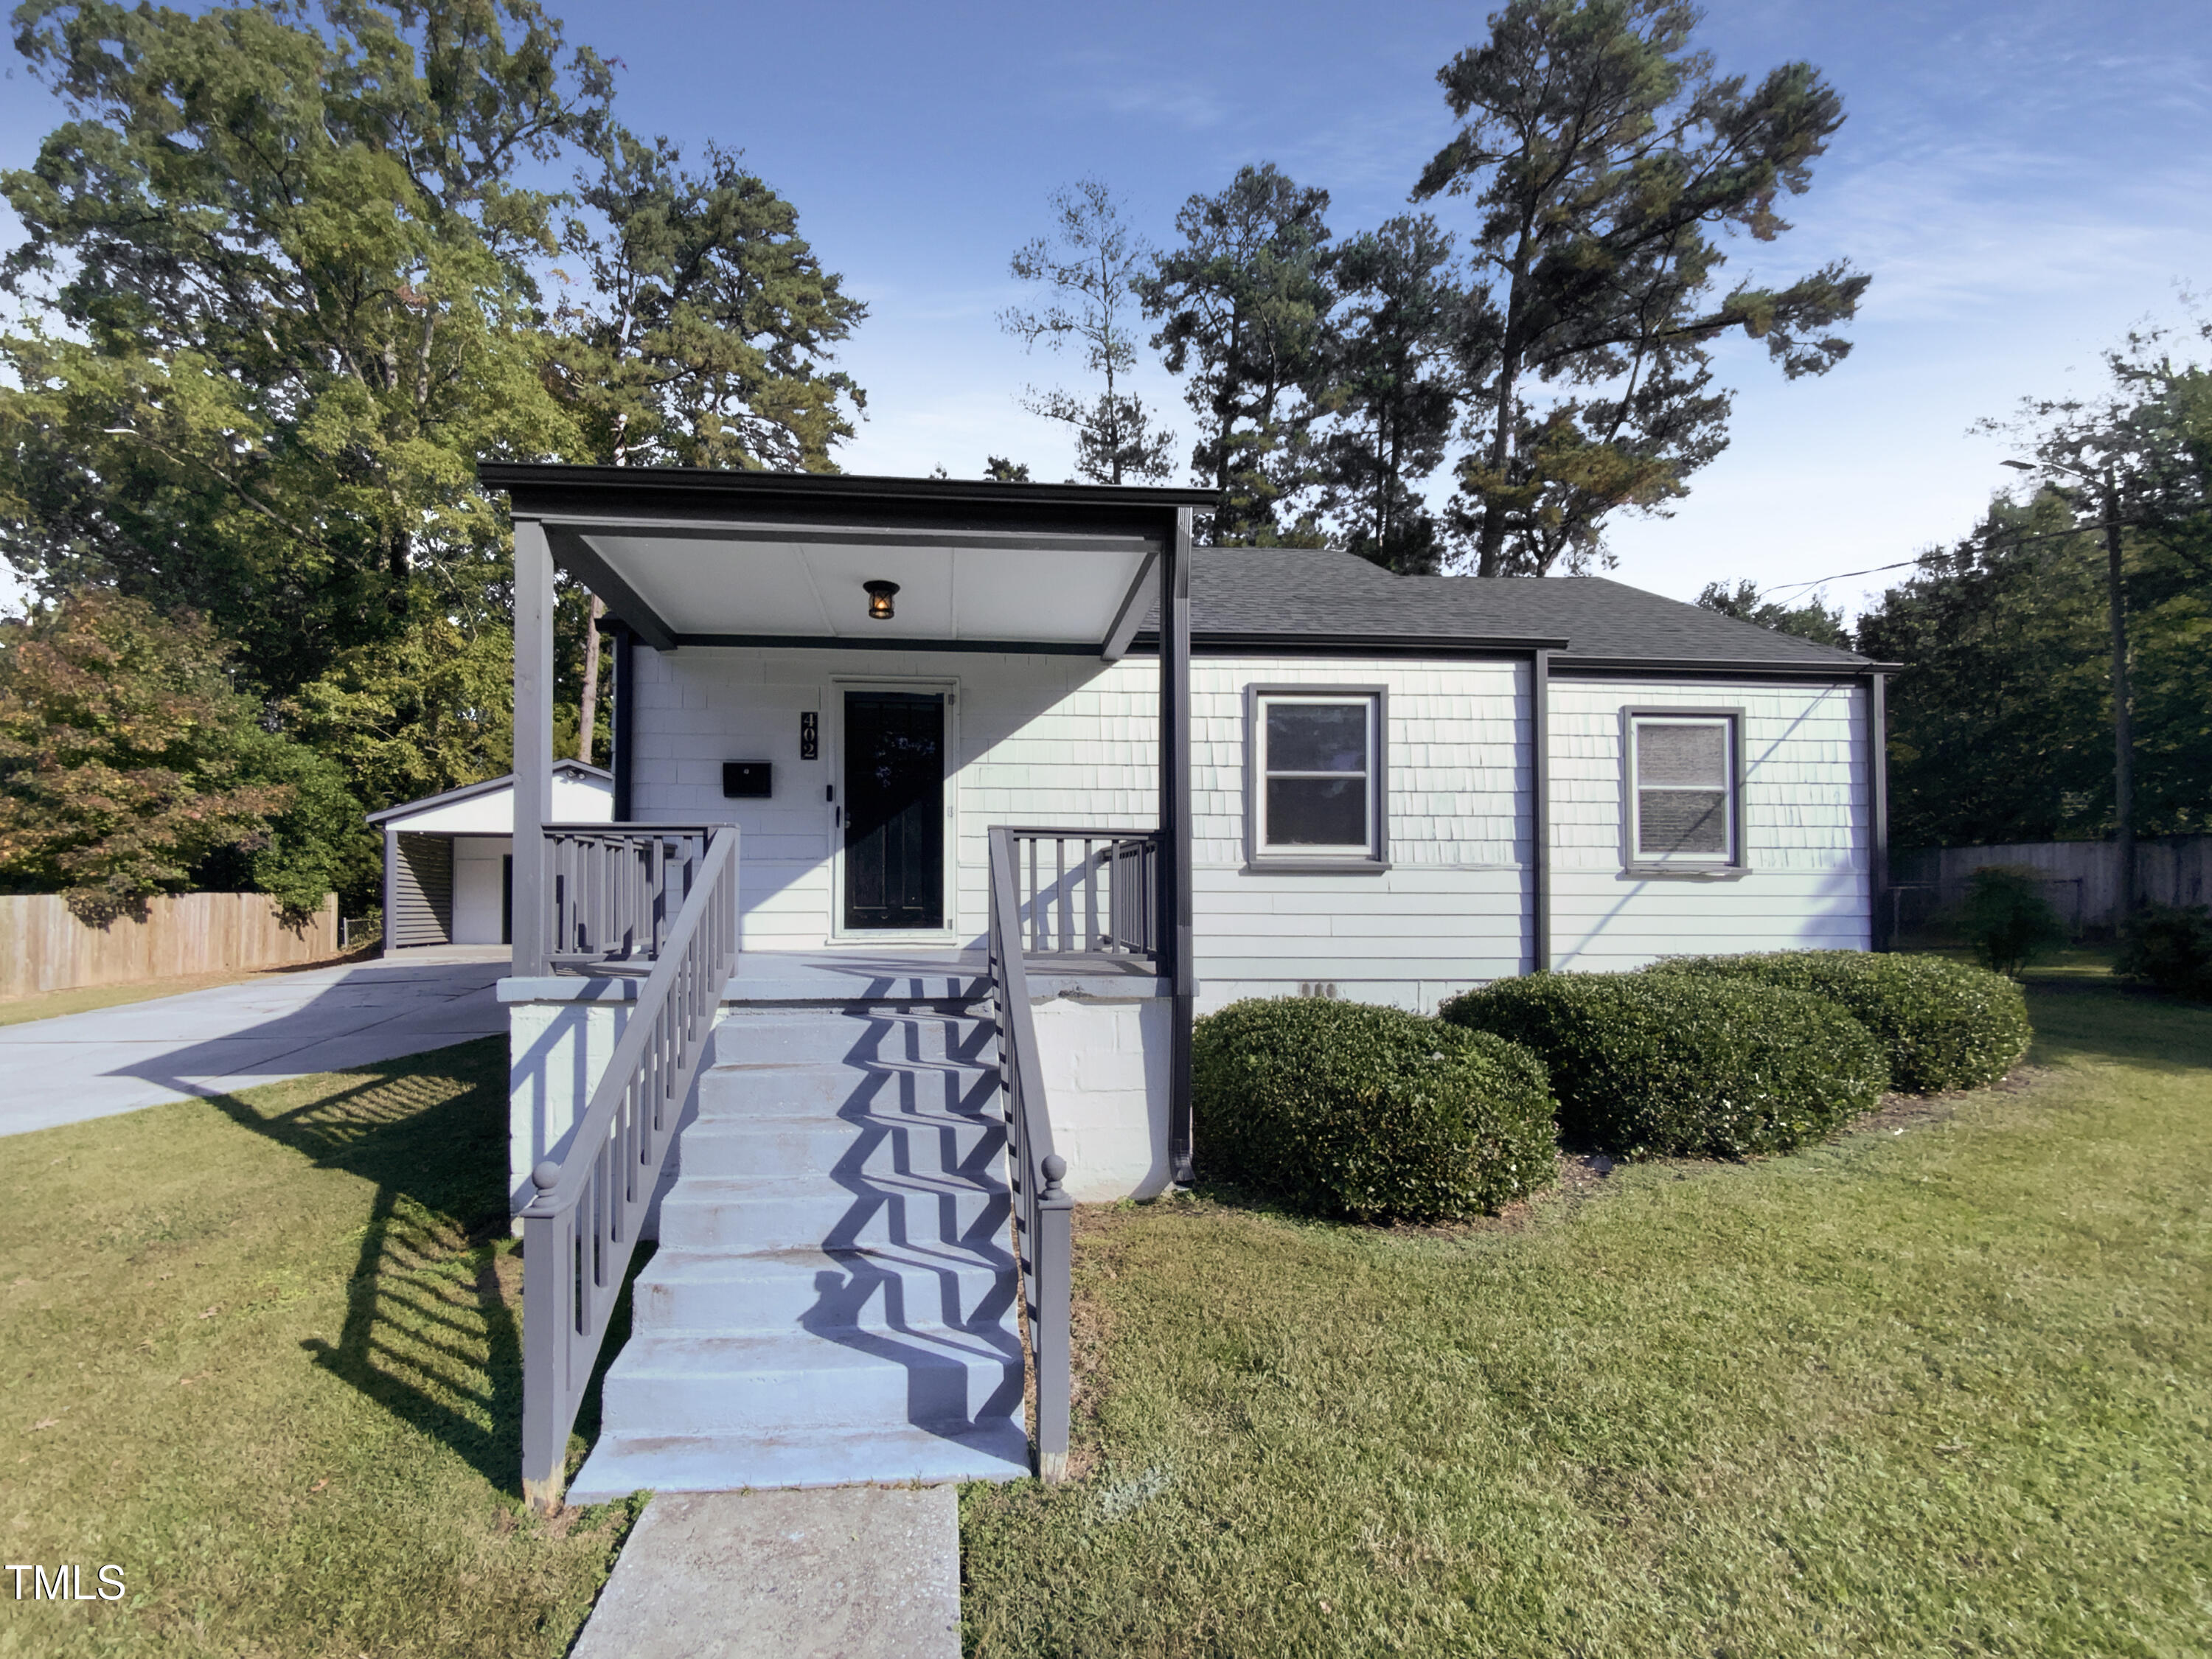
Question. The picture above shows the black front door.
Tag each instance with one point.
(894, 809)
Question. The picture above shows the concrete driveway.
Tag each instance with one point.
(234, 1036)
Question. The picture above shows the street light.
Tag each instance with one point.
(2107, 485)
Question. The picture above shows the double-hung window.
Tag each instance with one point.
(1318, 793)
(1684, 809)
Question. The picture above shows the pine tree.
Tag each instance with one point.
(1243, 303)
(1603, 154)
(1390, 381)
(1090, 265)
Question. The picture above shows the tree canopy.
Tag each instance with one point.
(129, 764)
(282, 272)
(703, 330)
(280, 280)
(1603, 155)
(2000, 722)
(1090, 267)
(1390, 380)
(1244, 302)
(1808, 619)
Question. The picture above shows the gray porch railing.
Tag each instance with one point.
(1044, 1214)
(1087, 892)
(1057, 892)
(617, 887)
(581, 1225)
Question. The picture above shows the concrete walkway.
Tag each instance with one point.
(235, 1036)
(834, 1572)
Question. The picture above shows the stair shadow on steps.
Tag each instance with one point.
(940, 1347)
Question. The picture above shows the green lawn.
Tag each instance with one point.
(1942, 1391)
(262, 1353)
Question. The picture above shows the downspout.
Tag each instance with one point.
(1877, 740)
(1174, 835)
(1540, 808)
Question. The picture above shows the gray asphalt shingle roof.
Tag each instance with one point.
(1324, 594)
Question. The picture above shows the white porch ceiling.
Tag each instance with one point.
(968, 588)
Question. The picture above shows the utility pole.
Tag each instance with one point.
(2107, 482)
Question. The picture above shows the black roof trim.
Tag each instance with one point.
(1614, 668)
(1227, 642)
(810, 642)
(519, 477)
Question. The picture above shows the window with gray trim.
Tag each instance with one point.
(1317, 784)
(1682, 793)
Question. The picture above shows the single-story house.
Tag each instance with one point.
(449, 858)
(977, 795)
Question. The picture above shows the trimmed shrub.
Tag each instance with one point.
(2007, 919)
(2170, 948)
(1338, 1109)
(1945, 1024)
(1654, 1064)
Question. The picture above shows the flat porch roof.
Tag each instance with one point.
(689, 556)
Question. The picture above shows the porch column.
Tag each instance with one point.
(1175, 831)
(625, 722)
(533, 743)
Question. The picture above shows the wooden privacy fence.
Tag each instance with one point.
(43, 947)
(2083, 876)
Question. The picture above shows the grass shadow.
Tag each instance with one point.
(2112, 1021)
(433, 1329)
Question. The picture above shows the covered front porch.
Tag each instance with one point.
(832, 754)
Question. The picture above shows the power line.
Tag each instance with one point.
(1902, 564)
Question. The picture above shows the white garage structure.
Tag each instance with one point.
(448, 859)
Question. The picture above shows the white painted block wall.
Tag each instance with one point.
(1105, 1069)
(561, 1035)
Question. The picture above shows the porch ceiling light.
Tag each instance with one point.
(879, 600)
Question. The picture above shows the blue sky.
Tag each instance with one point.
(2024, 182)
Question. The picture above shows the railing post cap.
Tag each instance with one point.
(546, 1176)
(1056, 1171)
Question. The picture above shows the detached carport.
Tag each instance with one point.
(448, 859)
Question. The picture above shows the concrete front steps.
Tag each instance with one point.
(833, 1299)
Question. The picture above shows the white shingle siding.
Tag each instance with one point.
(1804, 824)
(1455, 906)
(1067, 740)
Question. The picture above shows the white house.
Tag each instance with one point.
(1021, 783)
(448, 858)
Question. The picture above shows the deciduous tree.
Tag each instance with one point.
(702, 333)
(277, 269)
(129, 764)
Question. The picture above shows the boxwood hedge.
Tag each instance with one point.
(1677, 1065)
(1337, 1109)
(1945, 1024)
